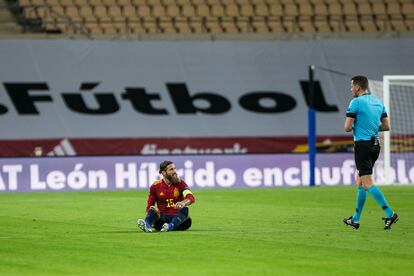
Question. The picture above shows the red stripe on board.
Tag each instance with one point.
(165, 146)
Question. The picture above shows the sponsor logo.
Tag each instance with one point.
(153, 149)
(64, 148)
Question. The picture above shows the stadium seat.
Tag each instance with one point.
(349, 8)
(217, 10)
(276, 10)
(322, 25)
(172, 11)
(188, 11)
(66, 3)
(109, 3)
(306, 24)
(125, 3)
(261, 10)
(367, 24)
(202, 11)
(352, 24)
(232, 10)
(393, 8)
(144, 12)
(213, 26)
(364, 8)
(182, 25)
(246, 10)
(129, 12)
(24, 3)
(261, 26)
(86, 12)
(228, 25)
(321, 9)
(407, 9)
(290, 9)
(276, 26)
(397, 23)
(101, 13)
(334, 9)
(116, 14)
(73, 13)
(378, 8)
(78, 3)
(305, 9)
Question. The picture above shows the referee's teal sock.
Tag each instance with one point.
(380, 199)
(360, 202)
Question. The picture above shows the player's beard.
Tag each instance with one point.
(173, 178)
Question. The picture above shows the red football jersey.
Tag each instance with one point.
(166, 196)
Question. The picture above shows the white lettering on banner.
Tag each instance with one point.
(56, 180)
(36, 184)
(188, 173)
(12, 181)
(348, 172)
(305, 166)
(252, 177)
(226, 177)
(129, 175)
(273, 176)
(153, 171)
(143, 175)
(402, 177)
(379, 174)
(292, 176)
(2, 185)
(404, 174)
(77, 179)
(400, 174)
(204, 177)
(329, 178)
(148, 173)
(411, 174)
(98, 179)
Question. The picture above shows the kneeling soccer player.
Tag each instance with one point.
(167, 202)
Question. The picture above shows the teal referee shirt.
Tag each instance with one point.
(368, 111)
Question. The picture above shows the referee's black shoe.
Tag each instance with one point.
(390, 221)
(350, 222)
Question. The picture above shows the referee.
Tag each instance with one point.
(366, 115)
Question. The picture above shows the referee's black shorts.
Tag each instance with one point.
(366, 153)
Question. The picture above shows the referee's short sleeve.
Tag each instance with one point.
(352, 109)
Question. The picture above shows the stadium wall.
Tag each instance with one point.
(119, 97)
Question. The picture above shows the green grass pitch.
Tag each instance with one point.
(235, 232)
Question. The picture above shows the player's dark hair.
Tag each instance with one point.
(164, 165)
(361, 81)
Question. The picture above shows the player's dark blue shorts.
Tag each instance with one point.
(168, 218)
(366, 153)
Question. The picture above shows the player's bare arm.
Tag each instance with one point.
(183, 203)
(349, 122)
(385, 124)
